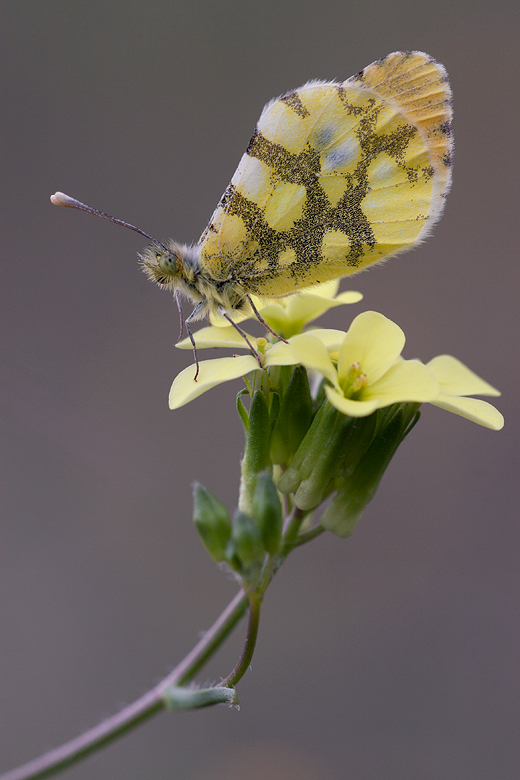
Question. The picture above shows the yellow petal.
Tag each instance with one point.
(290, 315)
(329, 336)
(312, 353)
(372, 340)
(325, 289)
(473, 409)
(217, 337)
(280, 354)
(219, 321)
(211, 373)
(330, 289)
(456, 379)
(349, 296)
(349, 407)
(406, 380)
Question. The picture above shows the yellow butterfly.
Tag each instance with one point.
(336, 177)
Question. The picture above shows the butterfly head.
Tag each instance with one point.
(163, 265)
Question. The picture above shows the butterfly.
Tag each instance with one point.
(337, 177)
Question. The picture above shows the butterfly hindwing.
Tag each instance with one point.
(336, 177)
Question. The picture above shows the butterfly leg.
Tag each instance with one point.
(181, 319)
(264, 323)
(226, 316)
(193, 315)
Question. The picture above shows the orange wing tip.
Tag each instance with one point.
(418, 86)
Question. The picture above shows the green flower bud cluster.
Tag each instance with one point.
(347, 456)
(315, 451)
(246, 541)
(363, 472)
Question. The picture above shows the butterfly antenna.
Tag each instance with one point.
(60, 199)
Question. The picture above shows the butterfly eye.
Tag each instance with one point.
(168, 262)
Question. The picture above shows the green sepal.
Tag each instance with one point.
(212, 521)
(359, 485)
(274, 411)
(294, 418)
(267, 511)
(319, 459)
(242, 413)
(361, 434)
(245, 543)
(326, 466)
(316, 437)
(256, 457)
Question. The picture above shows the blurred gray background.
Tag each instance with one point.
(391, 655)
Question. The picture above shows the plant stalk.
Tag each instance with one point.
(140, 710)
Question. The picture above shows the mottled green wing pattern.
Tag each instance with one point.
(336, 177)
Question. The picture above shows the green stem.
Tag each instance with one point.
(140, 710)
(291, 527)
(255, 603)
(155, 700)
(303, 538)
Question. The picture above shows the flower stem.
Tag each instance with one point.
(140, 710)
(255, 602)
(291, 527)
(305, 537)
(155, 700)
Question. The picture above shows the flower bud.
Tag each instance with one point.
(256, 457)
(212, 521)
(267, 511)
(245, 543)
(326, 467)
(294, 418)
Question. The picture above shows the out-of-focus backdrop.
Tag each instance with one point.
(393, 654)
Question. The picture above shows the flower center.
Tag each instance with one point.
(354, 382)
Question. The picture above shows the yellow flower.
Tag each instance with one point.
(219, 370)
(214, 372)
(211, 373)
(363, 367)
(457, 382)
(289, 315)
(369, 373)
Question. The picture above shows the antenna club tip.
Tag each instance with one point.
(60, 199)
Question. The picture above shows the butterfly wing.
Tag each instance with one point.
(336, 177)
